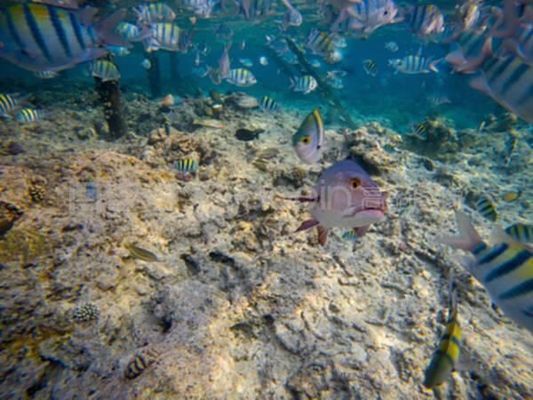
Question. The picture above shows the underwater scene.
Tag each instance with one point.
(266, 199)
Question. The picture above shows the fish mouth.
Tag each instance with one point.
(367, 215)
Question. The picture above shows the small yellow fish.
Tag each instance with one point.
(511, 196)
(140, 253)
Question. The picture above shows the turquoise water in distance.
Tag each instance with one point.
(396, 100)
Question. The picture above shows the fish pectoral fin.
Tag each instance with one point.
(360, 231)
(307, 225)
(322, 234)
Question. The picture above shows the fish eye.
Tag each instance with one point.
(385, 12)
(355, 182)
(306, 139)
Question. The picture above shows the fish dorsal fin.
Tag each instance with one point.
(499, 235)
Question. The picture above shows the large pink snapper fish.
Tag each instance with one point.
(344, 197)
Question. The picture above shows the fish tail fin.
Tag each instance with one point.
(106, 29)
(468, 238)
(433, 65)
(292, 83)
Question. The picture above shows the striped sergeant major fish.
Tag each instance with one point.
(305, 84)
(520, 232)
(105, 70)
(154, 12)
(41, 37)
(8, 103)
(447, 354)
(163, 36)
(268, 104)
(308, 140)
(186, 169)
(241, 77)
(509, 82)
(425, 20)
(505, 270)
(29, 115)
(414, 64)
(365, 16)
(485, 206)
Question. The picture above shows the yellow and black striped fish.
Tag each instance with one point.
(105, 70)
(268, 104)
(187, 165)
(7, 104)
(447, 354)
(27, 115)
(370, 67)
(505, 270)
(485, 206)
(163, 36)
(41, 37)
(154, 12)
(520, 232)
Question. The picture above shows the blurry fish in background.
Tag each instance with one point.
(120, 51)
(520, 232)
(467, 15)
(153, 12)
(241, 77)
(425, 20)
(509, 81)
(308, 140)
(242, 44)
(304, 84)
(315, 63)
(146, 64)
(445, 357)
(47, 38)
(505, 270)
(268, 104)
(392, 47)
(254, 9)
(46, 74)
(29, 115)
(201, 8)
(263, 61)
(322, 43)
(439, 100)
(224, 62)
(131, 33)
(345, 197)
(414, 64)
(485, 206)
(336, 73)
(364, 17)
(105, 70)
(336, 83)
(292, 17)
(246, 62)
(163, 36)
(370, 67)
(8, 103)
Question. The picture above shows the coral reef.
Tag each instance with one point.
(235, 304)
